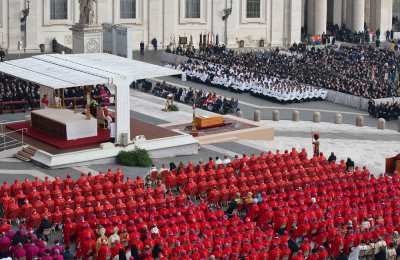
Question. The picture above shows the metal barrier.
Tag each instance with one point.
(8, 139)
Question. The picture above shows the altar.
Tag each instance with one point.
(63, 123)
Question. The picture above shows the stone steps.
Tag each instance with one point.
(26, 153)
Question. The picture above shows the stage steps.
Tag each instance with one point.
(26, 153)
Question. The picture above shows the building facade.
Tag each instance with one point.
(274, 22)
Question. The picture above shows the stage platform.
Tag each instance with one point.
(234, 128)
(55, 145)
(103, 135)
(160, 142)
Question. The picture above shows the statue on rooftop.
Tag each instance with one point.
(87, 12)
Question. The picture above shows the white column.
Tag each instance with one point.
(303, 12)
(337, 11)
(349, 14)
(321, 15)
(171, 9)
(123, 108)
(14, 29)
(344, 11)
(218, 23)
(156, 21)
(286, 22)
(367, 12)
(33, 26)
(277, 22)
(358, 15)
(372, 15)
(295, 21)
(310, 16)
(383, 16)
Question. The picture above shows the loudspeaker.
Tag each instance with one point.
(124, 139)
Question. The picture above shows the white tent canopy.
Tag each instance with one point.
(58, 71)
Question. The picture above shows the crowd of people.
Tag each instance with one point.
(344, 34)
(17, 95)
(202, 99)
(271, 206)
(362, 71)
(100, 95)
(365, 36)
(235, 79)
(388, 110)
(191, 50)
(24, 244)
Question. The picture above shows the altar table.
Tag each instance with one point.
(63, 123)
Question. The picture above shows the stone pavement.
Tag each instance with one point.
(152, 106)
(249, 103)
(328, 110)
(346, 141)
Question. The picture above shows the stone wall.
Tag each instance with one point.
(279, 23)
(160, 19)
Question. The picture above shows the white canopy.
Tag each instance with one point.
(58, 71)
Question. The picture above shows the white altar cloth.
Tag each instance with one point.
(77, 126)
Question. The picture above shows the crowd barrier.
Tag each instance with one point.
(347, 100)
(390, 100)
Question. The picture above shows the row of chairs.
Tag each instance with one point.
(315, 204)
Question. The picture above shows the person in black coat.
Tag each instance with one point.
(381, 255)
(141, 48)
(342, 256)
(349, 164)
(18, 238)
(2, 55)
(332, 157)
(67, 254)
(135, 253)
(44, 229)
(172, 166)
(154, 43)
(122, 254)
(156, 252)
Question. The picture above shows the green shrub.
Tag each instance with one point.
(173, 108)
(137, 157)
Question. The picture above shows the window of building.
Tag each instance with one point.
(128, 9)
(58, 9)
(192, 9)
(253, 9)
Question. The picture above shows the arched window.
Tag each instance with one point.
(127, 9)
(58, 9)
(192, 9)
(253, 9)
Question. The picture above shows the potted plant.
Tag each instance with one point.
(137, 157)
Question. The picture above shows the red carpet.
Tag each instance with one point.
(103, 135)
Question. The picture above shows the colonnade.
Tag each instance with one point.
(376, 14)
